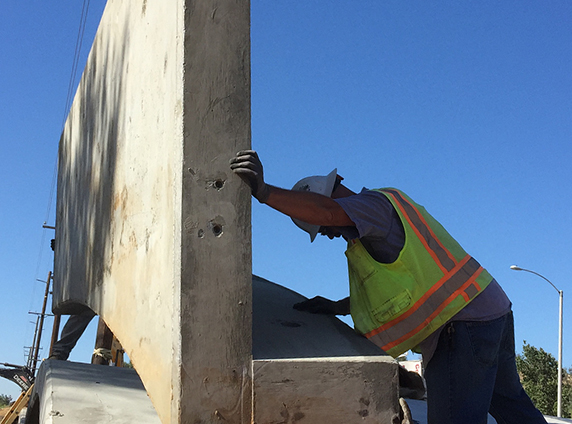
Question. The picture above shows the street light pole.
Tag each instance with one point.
(559, 413)
(560, 324)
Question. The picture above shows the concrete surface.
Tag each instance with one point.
(152, 228)
(68, 392)
(314, 368)
(326, 390)
(279, 331)
(555, 420)
(307, 364)
(118, 214)
(215, 297)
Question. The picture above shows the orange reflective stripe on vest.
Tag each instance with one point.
(459, 282)
(443, 258)
(444, 278)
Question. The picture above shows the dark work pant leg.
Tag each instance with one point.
(72, 331)
(510, 403)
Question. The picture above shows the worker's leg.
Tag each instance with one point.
(72, 331)
(510, 403)
(461, 374)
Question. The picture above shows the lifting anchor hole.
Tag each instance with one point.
(217, 229)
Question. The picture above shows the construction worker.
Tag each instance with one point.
(71, 333)
(412, 286)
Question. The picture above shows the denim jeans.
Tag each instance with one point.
(72, 331)
(473, 372)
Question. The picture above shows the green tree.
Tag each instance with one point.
(538, 372)
(5, 400)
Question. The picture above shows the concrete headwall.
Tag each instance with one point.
(152, 231)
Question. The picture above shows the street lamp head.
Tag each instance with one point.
(516, 268)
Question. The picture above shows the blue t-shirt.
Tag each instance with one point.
(380, 230)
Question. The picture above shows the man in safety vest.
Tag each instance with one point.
(412, 286)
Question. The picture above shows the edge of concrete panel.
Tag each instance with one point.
(216, 270)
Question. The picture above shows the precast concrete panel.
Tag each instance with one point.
(216, 271)
(152, 230)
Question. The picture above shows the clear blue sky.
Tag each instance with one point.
(466, 106)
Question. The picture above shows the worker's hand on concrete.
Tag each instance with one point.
(321, 305)
(247, 166)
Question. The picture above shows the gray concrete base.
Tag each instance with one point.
(314, 368)
(306, 366)
(279, 331)
(70, 392)
(326, 390)
(341, 389)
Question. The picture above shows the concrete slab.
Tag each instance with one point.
(308, 364)
(68, 392)
(279, 331)
(326, 390)
(556, 420)
(314, 368)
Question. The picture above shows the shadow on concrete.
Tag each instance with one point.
(279, 331)
(73, 392)
(86, 175)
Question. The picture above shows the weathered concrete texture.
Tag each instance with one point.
(341, 373)
(68, 392)
(315, 369)
(153, 231)
(216, 272)
(330, 390)
(280, 331)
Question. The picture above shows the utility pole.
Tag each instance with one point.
(31, 348)
(55, 332)
(41, 325)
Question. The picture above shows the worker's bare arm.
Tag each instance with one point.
(311, 208)
(308, 207)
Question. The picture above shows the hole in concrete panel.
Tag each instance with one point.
(216, 183)
(217, 226)
(217, 229)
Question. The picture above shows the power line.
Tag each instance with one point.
(78, 44)
(69, 97)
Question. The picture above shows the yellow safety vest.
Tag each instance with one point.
(398, 305)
